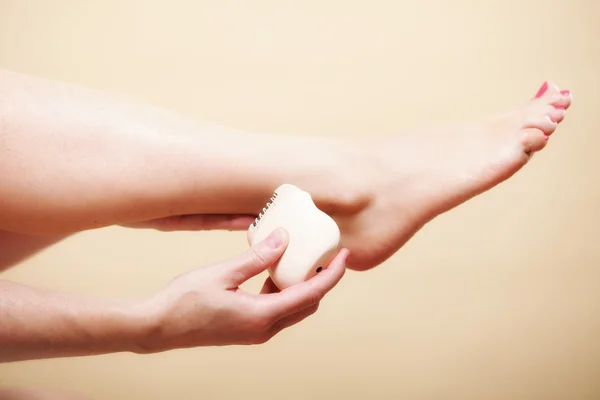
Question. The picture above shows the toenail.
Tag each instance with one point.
(565, 92)
(542, 90)
(546, 138)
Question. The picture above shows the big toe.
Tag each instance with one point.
(547, 88)
(550, 93)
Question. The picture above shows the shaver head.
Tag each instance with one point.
(313, 235)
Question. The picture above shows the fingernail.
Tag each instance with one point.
(275, 239)
(542, 90)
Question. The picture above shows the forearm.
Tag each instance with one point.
(73, 159)
(36, 323)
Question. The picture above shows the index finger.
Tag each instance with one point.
(305, 294)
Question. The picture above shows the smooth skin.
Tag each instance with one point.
(98, 161)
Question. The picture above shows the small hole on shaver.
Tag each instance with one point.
(319, 269)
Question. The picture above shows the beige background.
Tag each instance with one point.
(499, 299)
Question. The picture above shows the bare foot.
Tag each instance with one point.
(421, 174)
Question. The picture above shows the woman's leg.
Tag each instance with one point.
(74, 159)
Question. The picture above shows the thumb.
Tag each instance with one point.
(258, 258)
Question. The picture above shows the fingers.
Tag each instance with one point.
(306, 294)
(273, 310)
(197, 222)
(300, 301)
(257, 259)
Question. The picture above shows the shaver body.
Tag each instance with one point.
(314, 236)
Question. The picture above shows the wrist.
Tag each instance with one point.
(160, 324)
(126, 325)
(147, 322)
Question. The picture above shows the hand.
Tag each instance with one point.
(197, 222)
(206, 307)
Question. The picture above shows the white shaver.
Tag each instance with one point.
(314, 236)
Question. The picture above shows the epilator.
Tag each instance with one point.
(314, 236)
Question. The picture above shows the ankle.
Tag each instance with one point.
(342, 185)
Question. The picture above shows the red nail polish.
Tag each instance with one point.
(559, 107)
(542, 90)
(565, 92)
(546, 138)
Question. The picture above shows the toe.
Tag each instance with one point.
(558, 100)
(542, 122)
(546, 125)
(552, 102)
(542, 90)
(547, 110)
(533, 140)
(550, 93)
(562, 100)
(547, 89)
(556, 114)
(552, 89)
